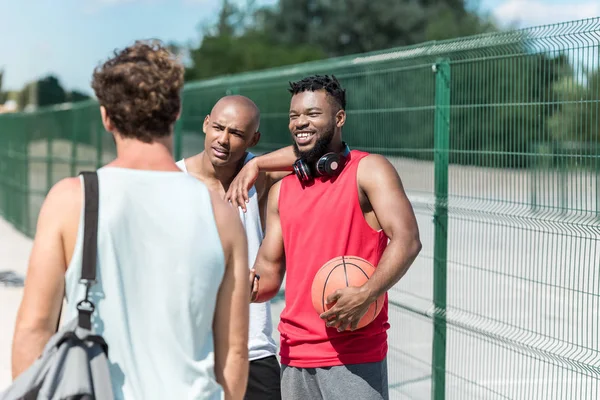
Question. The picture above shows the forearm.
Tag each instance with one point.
(27, 346)
(269, 283)
(279, 160)
(233, 375)
(395, 262)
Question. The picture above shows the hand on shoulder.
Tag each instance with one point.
(238, 190)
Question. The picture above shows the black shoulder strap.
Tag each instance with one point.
(90, 232)
(90, 249)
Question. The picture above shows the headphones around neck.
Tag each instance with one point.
(330, 164)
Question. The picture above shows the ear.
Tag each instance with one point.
(255, 139)
(340, 118)
(108, 126)
(205, 124)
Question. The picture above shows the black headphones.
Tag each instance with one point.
(330, 164)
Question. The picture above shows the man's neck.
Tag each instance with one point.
(336, 145)
(201, 166)
(134, 154)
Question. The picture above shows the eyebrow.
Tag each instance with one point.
(234, 130)
(307, 110)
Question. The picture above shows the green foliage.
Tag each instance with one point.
(76, 96)
(358, 26)
(229, 54)
(46, 92)
(577, 118)
(50, 91)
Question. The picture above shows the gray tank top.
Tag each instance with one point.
(160, 264)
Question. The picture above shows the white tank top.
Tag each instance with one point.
(160, 264)
(260, 340)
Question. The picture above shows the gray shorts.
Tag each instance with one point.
(356, 381)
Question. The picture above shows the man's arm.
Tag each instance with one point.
(39, 311)
(277, 163)
(270, 261)
(231, 320)
(275, 166)
(379, 181)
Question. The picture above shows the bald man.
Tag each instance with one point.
(231, 128)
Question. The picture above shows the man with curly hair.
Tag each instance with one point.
(172, 290)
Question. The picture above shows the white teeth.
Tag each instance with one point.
(303, 135)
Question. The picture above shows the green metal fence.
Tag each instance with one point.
(497, 140)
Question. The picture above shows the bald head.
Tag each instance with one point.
(231, 129)
(245, 110)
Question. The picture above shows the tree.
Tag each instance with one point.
(575, 127)
(75, 96)
(50, 91)
(234, 44)
(43, 92)
(224, 54)
(356, 26)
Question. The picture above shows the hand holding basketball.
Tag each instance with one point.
(340, 296)
(351, 304)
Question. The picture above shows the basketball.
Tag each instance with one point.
(341, 272)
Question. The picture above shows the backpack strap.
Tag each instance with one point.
(90, 249)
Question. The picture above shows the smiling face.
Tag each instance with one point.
(314, 120)
(231, 128)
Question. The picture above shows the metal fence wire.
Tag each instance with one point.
(496, 138)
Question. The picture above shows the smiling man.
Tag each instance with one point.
(231, 128)
(339, 202)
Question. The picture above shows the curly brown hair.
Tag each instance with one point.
(140, 89)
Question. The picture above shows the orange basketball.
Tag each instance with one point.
(341, 272)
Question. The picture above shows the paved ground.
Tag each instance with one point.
(14, 252)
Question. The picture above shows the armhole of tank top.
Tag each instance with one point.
(181, 165)
(249, 156)
(357, 198)
(281, 184)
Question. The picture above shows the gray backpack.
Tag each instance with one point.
(74, 363)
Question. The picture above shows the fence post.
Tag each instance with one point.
(74, 114)
(99, 128)
(440, 218)
(30, 219)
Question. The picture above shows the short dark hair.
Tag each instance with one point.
(140, 89)
(318, 82)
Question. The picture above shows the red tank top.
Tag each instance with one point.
(320, 221)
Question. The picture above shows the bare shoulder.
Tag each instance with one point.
(375, 162)
(64, 195)
(376, 169)
(58, 219)
(66, 188)
(227, 219)
(223, 211)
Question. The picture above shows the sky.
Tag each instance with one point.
(68, 38)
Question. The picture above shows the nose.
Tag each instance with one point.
(301, 122)
(223, 139)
